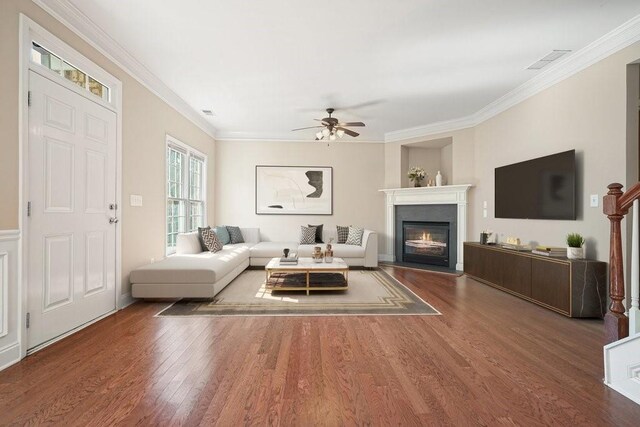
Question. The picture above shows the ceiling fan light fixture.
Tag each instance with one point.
(326, 132)
(319, 135)
(340, 133)
(332, 137)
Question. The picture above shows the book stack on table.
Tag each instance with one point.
(550, 251)
(292, 259)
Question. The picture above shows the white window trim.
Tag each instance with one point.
(190, 151)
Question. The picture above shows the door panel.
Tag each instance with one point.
(58, 278)
(59, 167)
(95, 262)
(72, 182)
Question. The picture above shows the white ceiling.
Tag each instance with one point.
(267, 66)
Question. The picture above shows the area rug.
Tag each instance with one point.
(371, 292)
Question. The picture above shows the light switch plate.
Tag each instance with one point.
(135, 200)
(594, 201)
(484, 213)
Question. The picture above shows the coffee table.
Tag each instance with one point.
(307, 275)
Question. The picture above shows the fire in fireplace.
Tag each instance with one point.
(426, 242)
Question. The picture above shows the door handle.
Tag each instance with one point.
(113, 220)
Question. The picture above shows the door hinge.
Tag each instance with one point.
(29, 98)
(28, 320)
(28, 208)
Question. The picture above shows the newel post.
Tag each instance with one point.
(616, 324)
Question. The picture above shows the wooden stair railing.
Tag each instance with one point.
(616, 205)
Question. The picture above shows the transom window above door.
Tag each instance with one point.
(44, 57)
(186, 191)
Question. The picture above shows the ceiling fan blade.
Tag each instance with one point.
(352, 124)
(310, 127)
(348, 131)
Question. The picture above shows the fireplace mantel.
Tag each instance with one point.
(443, 195)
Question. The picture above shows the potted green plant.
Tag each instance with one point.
(575, 246)
(416, 175)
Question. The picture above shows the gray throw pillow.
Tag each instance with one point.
(203, 245)
(223, 234)
(343, 233)
(235, 234)
(307, 235)
(211, 240)
(318, 232)
(355, 236)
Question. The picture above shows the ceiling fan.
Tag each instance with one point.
(332, 128)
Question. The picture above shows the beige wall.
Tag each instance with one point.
(586, 112)
(358, 174)
(146, 120)
(446, 164)
(426, 158)
(455, 160)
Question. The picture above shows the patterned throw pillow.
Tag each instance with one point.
(211, 240)
(318, 232)
(223, 234)
(343, 233)
(355, 236)
(235, 234)
(203, 245)
(307, 235)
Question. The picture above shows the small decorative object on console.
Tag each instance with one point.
(550, 251)
(485, 237)
(514, 244)
(575, 246)
(438, 179)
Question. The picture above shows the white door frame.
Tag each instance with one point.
(30, 31)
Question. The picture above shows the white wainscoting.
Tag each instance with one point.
(9, 298)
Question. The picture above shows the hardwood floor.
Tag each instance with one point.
(490, 359)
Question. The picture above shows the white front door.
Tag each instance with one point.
(72, 192)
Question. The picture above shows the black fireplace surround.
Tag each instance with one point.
(426, 235)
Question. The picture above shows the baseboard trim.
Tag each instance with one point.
(9, 355)
(125, 300)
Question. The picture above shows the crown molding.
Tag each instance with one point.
(612, 42)
(431, 129)
(81, 25)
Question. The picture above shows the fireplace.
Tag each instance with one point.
(425, 242)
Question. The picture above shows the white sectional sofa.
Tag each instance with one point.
(191, 273)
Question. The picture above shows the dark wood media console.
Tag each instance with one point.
(575, 288)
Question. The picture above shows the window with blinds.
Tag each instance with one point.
(186, 194)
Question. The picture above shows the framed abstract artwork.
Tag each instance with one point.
(294, 190)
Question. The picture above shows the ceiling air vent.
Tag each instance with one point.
(207, 112)
(543, 62)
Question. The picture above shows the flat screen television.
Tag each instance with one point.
(543, 188)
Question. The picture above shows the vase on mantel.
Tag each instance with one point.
(438, 179)
(416, 183)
